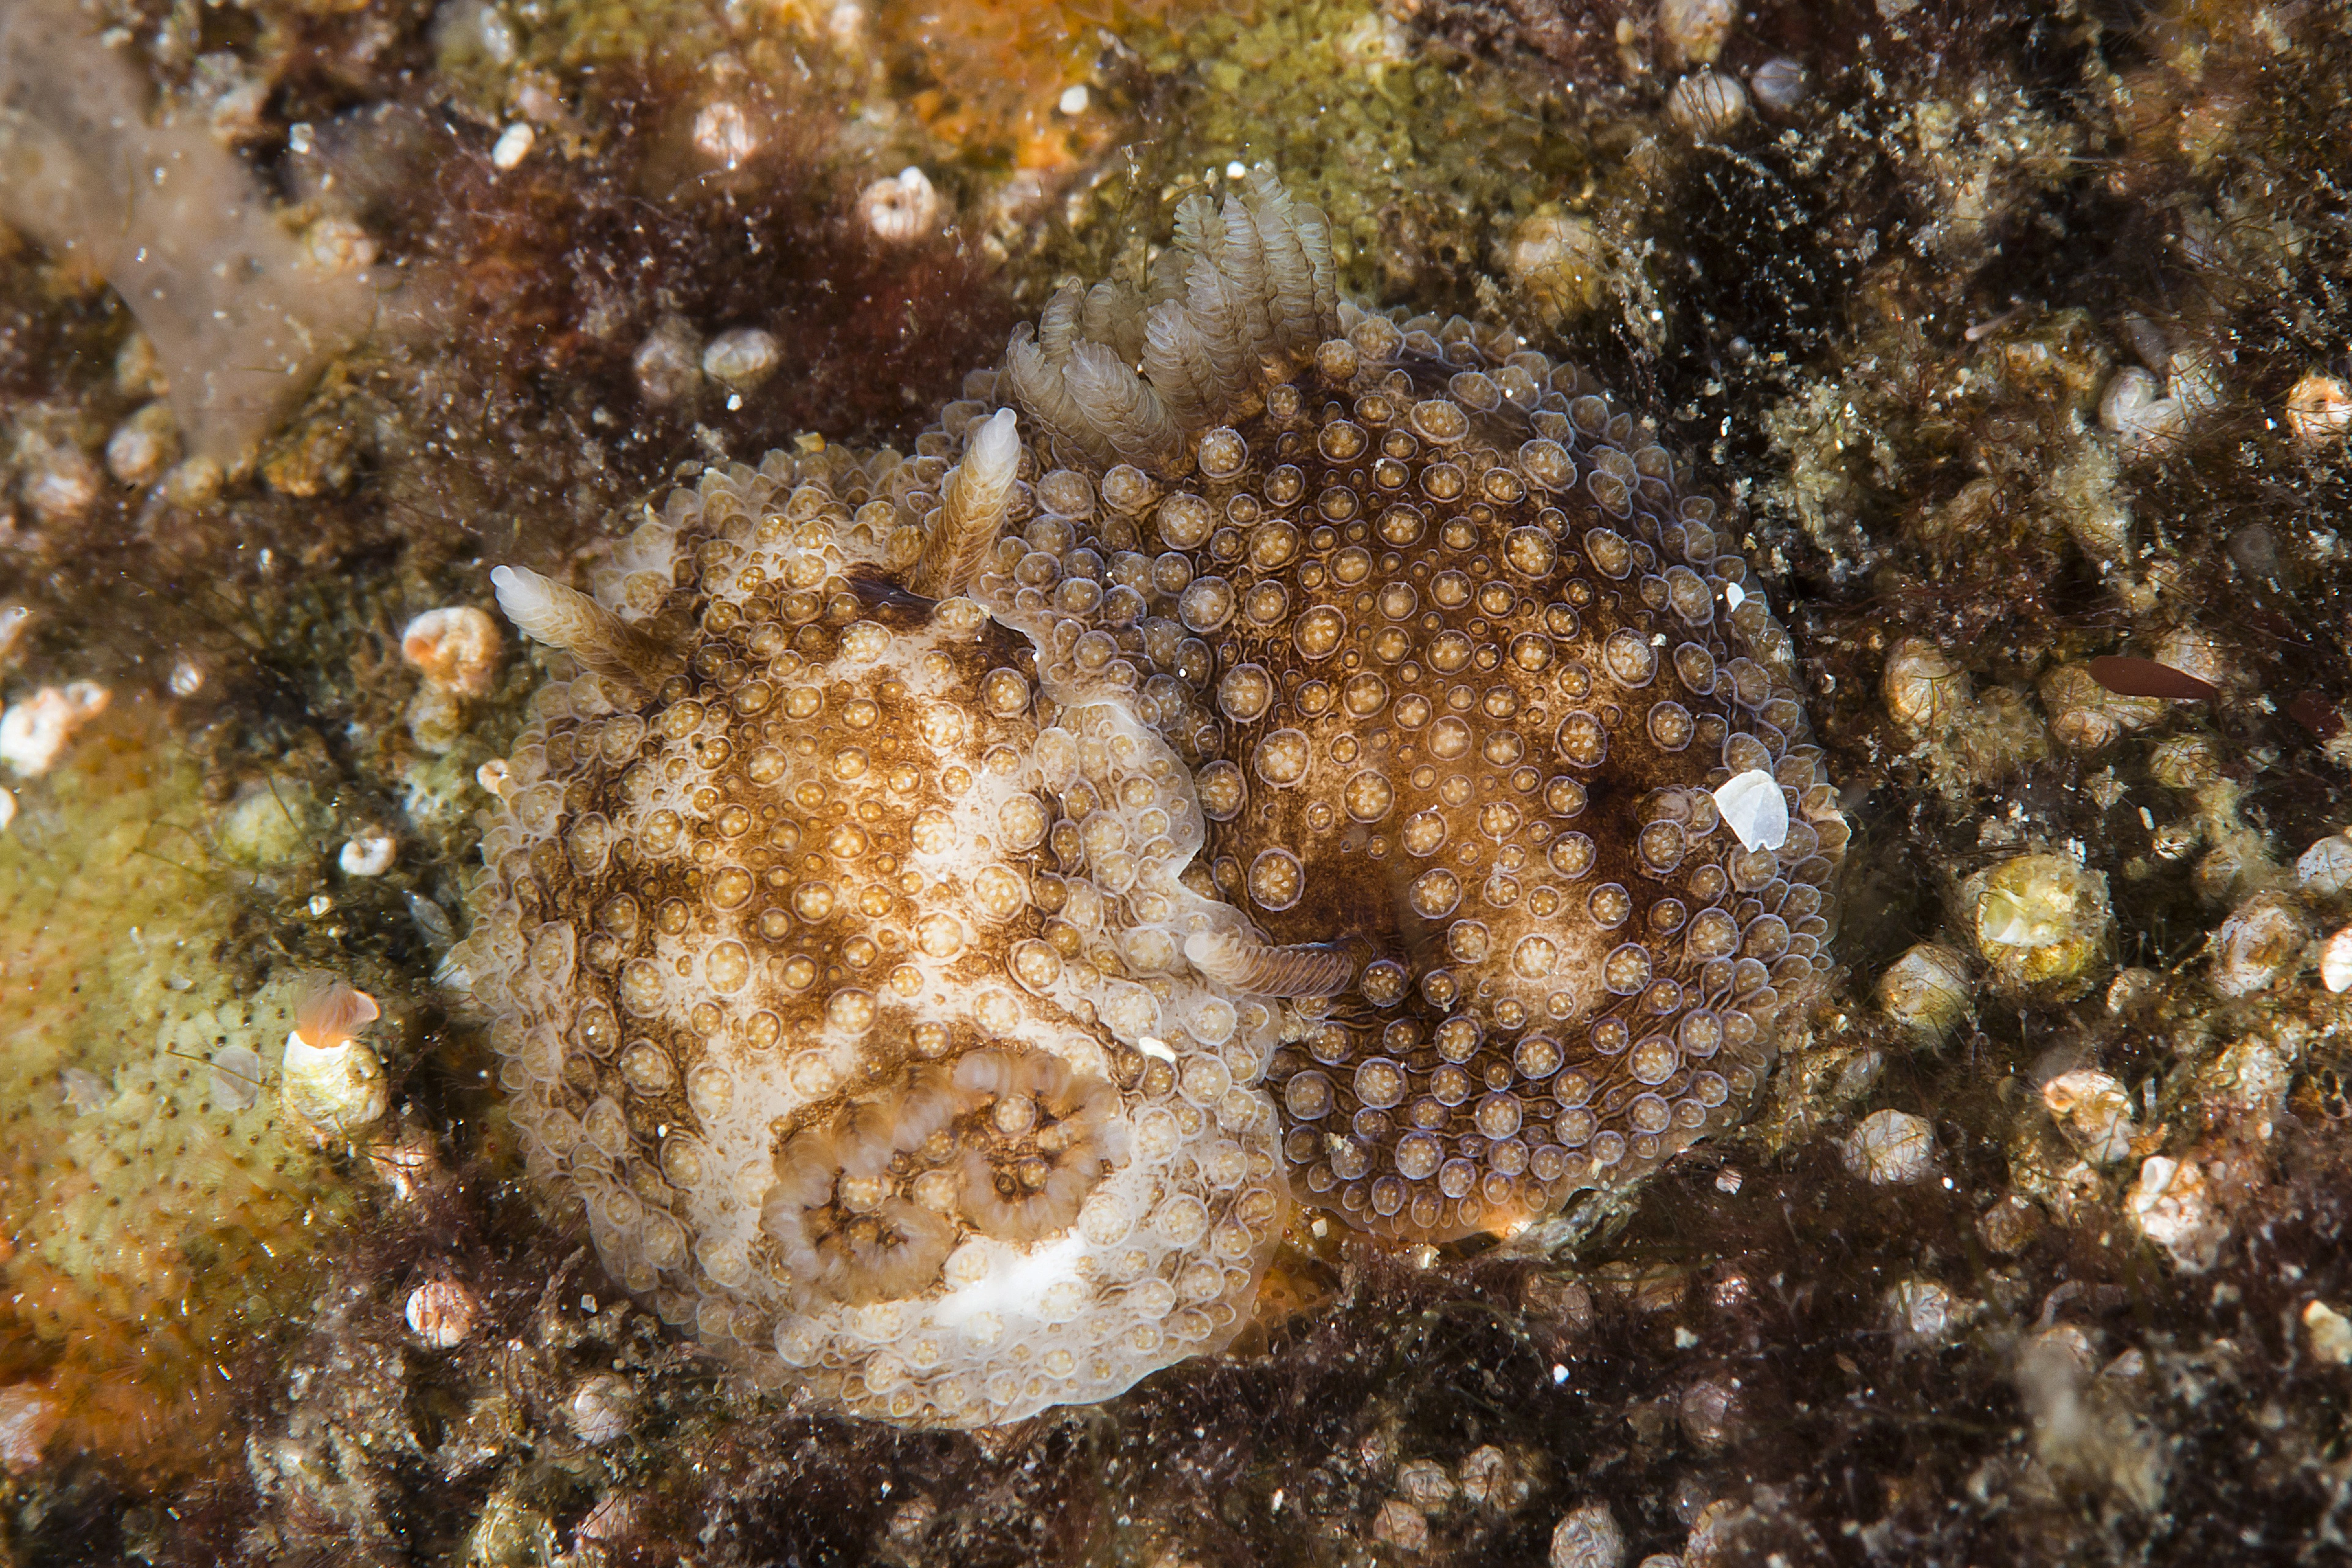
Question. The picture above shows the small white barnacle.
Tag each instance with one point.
(1890, 1148)
(1756, 809)
(601, 1409)
(741, 359)
(2318, 411)
(370, 852)
(457, 650)
(902, 208)
(1779, 84)
(333, 1083)
(442, 1313)
(725, 135)
(1706, 104)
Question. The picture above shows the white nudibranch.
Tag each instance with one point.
(332, 1081)
(1756, 809)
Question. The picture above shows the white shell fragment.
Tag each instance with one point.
(2174, 1209)
(1756, 809)
(2330, 1331)
(512, 147)
(85, 1091)
(2335, 960)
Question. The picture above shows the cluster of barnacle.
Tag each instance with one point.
(957, 905)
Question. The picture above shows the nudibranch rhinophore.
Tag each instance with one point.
(1256, 751)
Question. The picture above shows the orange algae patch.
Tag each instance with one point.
(989, 74)
(157, 1218)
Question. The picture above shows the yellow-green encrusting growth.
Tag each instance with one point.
(158, 1210)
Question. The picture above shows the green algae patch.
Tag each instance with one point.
(1409, 152)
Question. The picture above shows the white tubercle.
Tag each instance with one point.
(993, 452)
(1756, 809)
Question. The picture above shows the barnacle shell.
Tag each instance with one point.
(1925, 690)
(442, 1313)
(2261, 941)
(458, 649)
(1706, 104)
(2040, 921)
(2319, 411)
(1927, 990)
(1891, 1147)
(2093, 1110)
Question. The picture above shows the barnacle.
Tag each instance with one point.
(956, 901)
(333, 1084)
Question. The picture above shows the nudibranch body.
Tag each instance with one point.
(1255, 750)
(841, 978)
(1472, 679)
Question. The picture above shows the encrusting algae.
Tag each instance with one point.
(162, 1213)
(958, 907)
